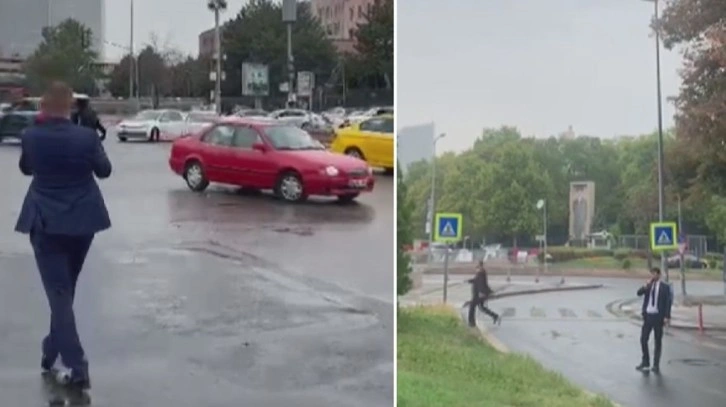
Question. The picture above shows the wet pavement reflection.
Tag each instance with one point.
(217, 299)
(575, 334)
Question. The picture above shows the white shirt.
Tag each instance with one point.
(652, 307)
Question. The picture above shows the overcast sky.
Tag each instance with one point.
(538, 65)
(176, 23)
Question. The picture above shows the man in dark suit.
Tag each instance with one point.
(480, 291)
(656, 311)
(62, 211)
(85, 116)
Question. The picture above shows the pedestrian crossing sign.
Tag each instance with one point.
(663, 236)
(448, 227)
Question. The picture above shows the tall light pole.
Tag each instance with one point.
(661, 190)
(542, 205)
(132, 59)
(289, 16)
(432, 202)
(217, 6)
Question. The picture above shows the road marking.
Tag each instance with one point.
(593, 314)
(537, 312)
(509, 312)
(567, 313)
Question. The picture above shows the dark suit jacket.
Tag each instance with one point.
(480, 285)
(663, 302)
(63, 197)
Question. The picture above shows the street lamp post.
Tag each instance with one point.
(542, 205)
(131, 54)
(661, 191)
(217, 6)
(289, 16)
(432, 204)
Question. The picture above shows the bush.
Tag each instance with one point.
(621, 254)
(563, 253)
(712, 263)
(626, 263)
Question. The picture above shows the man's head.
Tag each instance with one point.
(57, 100)
(655, 273)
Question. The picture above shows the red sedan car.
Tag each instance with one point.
(262, 154)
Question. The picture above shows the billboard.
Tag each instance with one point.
(255, 79)
(305, 84)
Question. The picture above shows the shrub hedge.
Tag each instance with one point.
(564, 253)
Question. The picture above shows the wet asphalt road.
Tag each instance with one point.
(218, 299)
(573, 333)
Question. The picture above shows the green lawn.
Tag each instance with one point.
(442, 363)
(601, 263)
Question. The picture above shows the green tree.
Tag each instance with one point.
(154, 75)
(374, 43)
(190, 78)
(403, 235)
(64, 54)
(258, 35)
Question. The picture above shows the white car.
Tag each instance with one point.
(197, 121)
(152, 125)
(359, 116)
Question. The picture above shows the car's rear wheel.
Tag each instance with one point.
(389, 171)
(194, 176)
(290, 187)
(122, 139)
(354, 152)
(347, 198)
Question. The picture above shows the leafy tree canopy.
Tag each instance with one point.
(374, 42)
(64, 54)
(258, 35)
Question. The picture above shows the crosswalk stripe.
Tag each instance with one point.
(537, 312)
(567, 313)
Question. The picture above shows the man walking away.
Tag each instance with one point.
(85, 116)
(480, 291)
(62, 211)
(656, 312)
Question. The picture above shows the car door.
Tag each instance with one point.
(375, 141)
(217, 154)
(256, 169)
(172, 123)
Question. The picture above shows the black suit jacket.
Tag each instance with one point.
(63, 197)
(663, 302)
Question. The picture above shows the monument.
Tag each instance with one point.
(582, 211)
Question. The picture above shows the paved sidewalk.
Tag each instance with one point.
(684, 314)
(459, 290)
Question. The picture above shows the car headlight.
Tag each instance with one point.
(331, 171)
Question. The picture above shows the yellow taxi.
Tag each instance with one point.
(370, 140)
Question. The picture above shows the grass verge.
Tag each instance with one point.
(442, 363)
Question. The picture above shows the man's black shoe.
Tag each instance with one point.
(643, 367)
(655, 369)
(46, 366)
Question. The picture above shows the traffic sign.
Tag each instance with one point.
(448, 227)
(663, 236)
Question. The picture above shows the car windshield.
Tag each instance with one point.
(291, 138)
(147, 115)
(248, 113)
(202, 117)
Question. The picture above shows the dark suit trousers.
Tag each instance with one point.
(478, 301)
(651, 323)
(60, 259)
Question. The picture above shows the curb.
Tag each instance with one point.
(618, 305)
(500, 347)
(545, 290)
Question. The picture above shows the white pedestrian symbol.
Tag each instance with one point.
(448, 230)
(664, 239)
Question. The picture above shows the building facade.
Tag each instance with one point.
(22, 22)
(415, 143)
(206, 43)
(340, 19)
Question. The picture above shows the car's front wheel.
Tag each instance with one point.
(154, 135)
(194, 175)
(354, 152)
(290, 187)
(122, 139)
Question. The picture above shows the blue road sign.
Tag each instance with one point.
(663, 236)
(448, 227)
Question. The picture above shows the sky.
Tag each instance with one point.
(176, 23)
(538, 65)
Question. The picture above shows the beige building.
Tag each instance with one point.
(340, 19)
